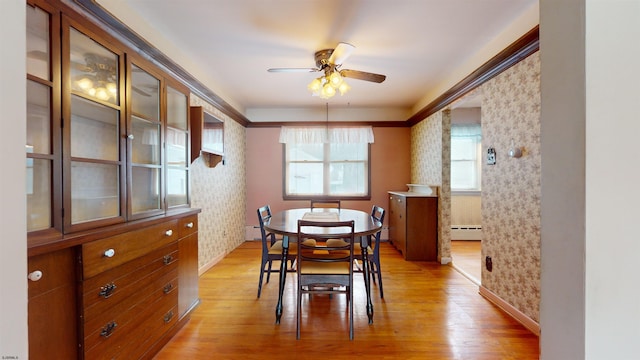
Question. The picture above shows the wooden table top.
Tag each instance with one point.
(286, 222)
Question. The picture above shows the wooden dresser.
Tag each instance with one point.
(413, 225)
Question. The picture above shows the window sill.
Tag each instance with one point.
(466, 192)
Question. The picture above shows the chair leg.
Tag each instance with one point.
(380, 280)
(269, 271)
(261, 277)
(298, 312)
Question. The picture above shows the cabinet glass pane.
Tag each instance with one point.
(38, 118)
(146, 141)
(38, 53)
(145, 94)
(94, 68)
(94, 130)
(176, 147)
(145, 189)
(176, 187)
(94, 191)
(176, 109)
(38, 194)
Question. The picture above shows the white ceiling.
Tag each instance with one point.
(230, 44)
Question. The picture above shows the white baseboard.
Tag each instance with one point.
(210, 264)
(519, 316)
(462, 232)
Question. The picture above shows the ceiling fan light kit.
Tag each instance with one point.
(326, 86)
(329, 61)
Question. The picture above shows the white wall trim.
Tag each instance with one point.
(519, 316)
(204, 268)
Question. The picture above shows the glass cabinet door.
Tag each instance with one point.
(94, 154)
(145, 138)
(42, 147)
(177, 151)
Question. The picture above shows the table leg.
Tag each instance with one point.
(364, 243)
(283, 276)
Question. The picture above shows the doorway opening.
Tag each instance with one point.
(466, 163)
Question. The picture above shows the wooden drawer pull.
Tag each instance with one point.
(167, 288)
(168, 232)
(108, 329)
(167, 259)
(107, 290)
(168, 317)
(189, 225)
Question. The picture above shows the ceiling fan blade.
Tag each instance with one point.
(140, 91)
(293, 70)
(361, 75)
(341, 53)
(38, 55)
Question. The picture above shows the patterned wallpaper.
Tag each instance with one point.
(511, 187)
(220, 192)
(431, 165)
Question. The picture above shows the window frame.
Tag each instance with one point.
(326, 162)
(477, 167)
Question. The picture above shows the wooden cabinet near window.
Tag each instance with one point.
(413, 225)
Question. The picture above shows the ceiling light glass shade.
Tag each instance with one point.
(326, 85)
(344, 87)
(327, 91)
(335, 79)
(315, 86)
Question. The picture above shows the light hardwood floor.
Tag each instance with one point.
(466, 256)
(430, 311)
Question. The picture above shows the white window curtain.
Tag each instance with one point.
(322, 135)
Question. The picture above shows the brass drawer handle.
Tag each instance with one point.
(168, 232)
(108, 329)
(168, 317)
(167, 288)
(167, 259)
(107, 290)
(189, 225)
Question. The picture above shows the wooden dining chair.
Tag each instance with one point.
(373, 250)
(325, 204)
(271, 248)
(325, 269)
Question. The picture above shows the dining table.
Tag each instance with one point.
(285, 223)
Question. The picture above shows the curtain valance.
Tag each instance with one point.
(333, 135)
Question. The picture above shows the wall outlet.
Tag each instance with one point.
(488, 263)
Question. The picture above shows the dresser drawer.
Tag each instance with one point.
(187, 225)
(116, 334)
(102, 293)
(105, 254)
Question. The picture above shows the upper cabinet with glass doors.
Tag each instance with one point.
(145, 140)
(94, 153)
(107, 130)
(43, 118)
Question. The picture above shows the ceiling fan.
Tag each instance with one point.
(330, 61)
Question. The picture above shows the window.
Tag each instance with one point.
(465, 157)
(326, 163)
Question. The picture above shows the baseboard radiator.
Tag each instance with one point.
(466, 232)
(466, 217)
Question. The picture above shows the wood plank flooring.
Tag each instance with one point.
(466, 256)
(429, 311)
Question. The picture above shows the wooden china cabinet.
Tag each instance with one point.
(112, 239)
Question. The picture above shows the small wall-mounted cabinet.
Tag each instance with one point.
(207, 137)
